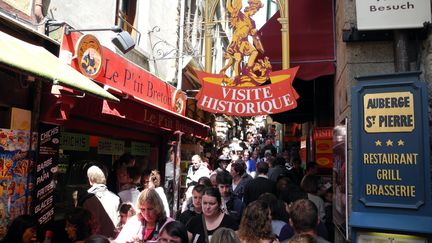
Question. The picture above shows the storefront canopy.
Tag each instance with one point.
(311, 38)
(37, 61)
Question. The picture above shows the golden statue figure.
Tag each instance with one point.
(252, 74)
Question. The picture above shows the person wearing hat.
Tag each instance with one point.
(223, 160)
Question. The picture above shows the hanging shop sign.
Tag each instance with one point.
(254, 89)
(120, 74)
(391, 154)
(394, 14)
(88, 52)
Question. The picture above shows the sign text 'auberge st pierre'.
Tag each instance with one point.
(390, 158)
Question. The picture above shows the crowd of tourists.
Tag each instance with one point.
(248, 193)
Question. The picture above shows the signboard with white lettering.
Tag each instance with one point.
(392, 14)
(391, 174)
(43, 199)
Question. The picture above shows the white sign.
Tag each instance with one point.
(392, 14)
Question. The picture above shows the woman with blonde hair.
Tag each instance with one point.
(255, 225)
(146, 225)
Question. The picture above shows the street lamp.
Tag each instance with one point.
(123, 41)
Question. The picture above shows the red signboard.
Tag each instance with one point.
(279, 96)
(125, 76)
(323, 137)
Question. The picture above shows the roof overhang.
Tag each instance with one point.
(37, 61)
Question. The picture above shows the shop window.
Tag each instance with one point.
(126, 15)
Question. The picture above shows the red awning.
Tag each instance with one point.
(311, 38)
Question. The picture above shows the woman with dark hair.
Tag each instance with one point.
(80, 224)
(239, 178)
(146, 225)
(173, 231)
(21, 230)
(201, 227)
(255, 225)
(280, 217)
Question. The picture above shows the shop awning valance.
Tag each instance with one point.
(311, 38)
(37, 61)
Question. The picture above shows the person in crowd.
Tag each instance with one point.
(304, 219)
(146, 225)
(187, 203)
(278, 169)
(250, 162)
(268, 158)
(269, 146)
(256, 224)
(231, 204)
(259, 185)
(282, 183)
(129, 191)
(223, 162)
(80, 224)
(154, 182)
(101, 202)
(224, 235)
(169, 176)
(145, 179)
(302, 238)
(205, 181)
(310, 186)
(311, 168)
(21, 230)
(279, 215)
(286, 157)
(257, 153)
(97, 239)
(173, 232)
(126, 211)
(196, 208)
(113, 183)
(201, 227)
(328, 206)
(196, 170)
(239, 178)
(296, 173)
(213, 179)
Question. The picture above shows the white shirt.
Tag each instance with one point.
(129, 195)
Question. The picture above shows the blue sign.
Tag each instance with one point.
(391, 163)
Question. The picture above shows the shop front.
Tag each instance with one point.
(28, 61)
(147, 122)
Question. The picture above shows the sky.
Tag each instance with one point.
(260, 16)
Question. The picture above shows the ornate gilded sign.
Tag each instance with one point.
(253, 89)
